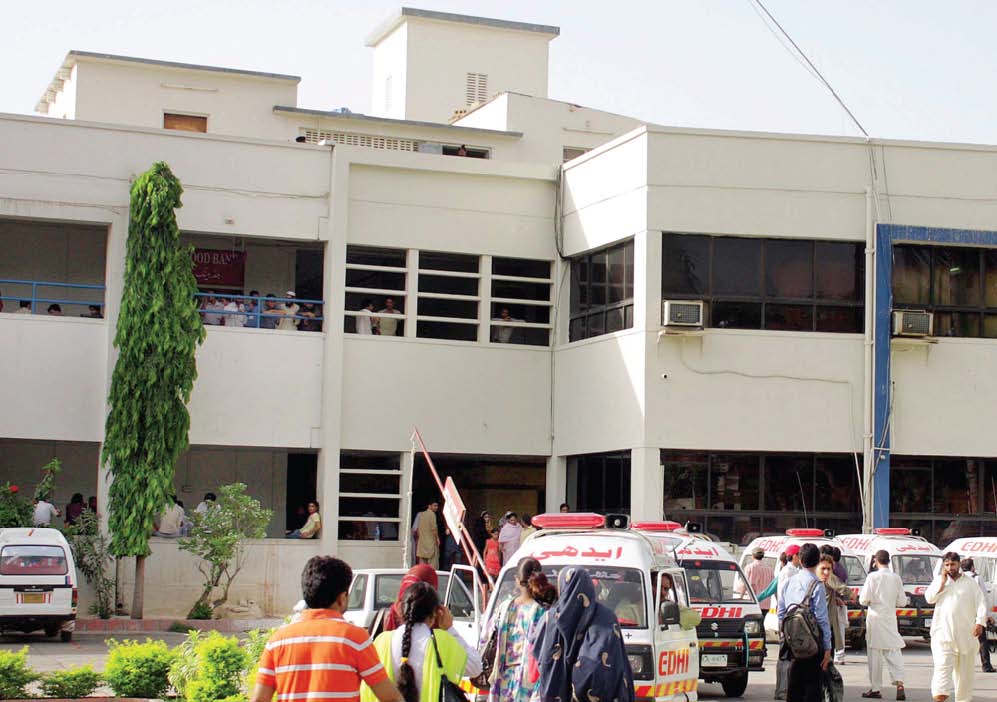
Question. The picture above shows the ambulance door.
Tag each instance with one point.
(676, 649)
(464, 602)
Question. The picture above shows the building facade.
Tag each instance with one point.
(527, 247)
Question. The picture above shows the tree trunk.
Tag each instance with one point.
(119, 586)
(138, 598)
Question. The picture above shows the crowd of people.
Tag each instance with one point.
(219, 309)
(45, 511)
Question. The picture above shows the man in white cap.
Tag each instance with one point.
(959, 617)
(289, 322)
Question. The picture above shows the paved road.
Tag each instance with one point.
(46, 654)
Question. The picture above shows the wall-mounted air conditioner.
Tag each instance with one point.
(682, 313)
(912, 323)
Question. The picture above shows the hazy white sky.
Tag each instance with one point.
(913, 69)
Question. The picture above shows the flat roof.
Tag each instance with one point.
(400, 122)
(389, 25)
(62, 74)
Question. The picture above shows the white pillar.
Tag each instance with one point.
(557, 481)
(646, 484)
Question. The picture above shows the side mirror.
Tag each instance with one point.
(669, 614)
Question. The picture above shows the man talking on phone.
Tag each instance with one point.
(959, 617)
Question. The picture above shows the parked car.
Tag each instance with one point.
(38, 584)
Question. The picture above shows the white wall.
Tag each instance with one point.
(257, 387)
(129, 93)
(390, 59)
(52, 371)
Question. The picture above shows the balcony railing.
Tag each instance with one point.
(260, 312)
(37, 301)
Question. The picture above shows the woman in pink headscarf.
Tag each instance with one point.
(422, 573)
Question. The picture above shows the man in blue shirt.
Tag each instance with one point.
(804, 674)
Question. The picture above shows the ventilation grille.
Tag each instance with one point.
(314, 136)
(477, 88)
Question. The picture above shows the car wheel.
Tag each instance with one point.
(735, 685)
(66, 636)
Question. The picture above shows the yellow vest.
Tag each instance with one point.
(451, 652)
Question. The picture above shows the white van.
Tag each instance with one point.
(732, 632)
(983, 551)
(38, 586)
(914, 559)
(625, 563)
(776, 544)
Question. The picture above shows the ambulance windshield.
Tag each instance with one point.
(915, 570)
(716, 582)
(619, 589)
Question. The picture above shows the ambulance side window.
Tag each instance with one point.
(681, 591)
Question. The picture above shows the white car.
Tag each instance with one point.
(38, 585)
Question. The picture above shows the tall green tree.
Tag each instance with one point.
(159, 329)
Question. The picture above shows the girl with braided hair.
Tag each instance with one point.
(412, 654)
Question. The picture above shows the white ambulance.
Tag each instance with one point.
(983, 551)
(625, 564)
(731, 632)
(776, 544)
(38, 585)
(914, 559)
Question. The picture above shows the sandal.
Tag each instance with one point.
(872, 694)
(901, 693)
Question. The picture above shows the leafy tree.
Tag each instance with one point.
(218, 537)
(158, 332)
(90, 551)
(46, 486)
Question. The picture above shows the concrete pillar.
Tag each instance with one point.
(646, 484)
(557, 482)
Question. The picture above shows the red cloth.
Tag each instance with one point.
(422, 573)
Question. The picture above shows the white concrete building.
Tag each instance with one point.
(790, 404)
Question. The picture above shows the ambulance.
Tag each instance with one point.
(38, 583)
(624, 564)
(983, 551)
(776, 544)
(732, 631)
(914, 559)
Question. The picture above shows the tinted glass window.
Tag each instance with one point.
(840, 271)
(737, 266)
(685, 264)
(789, 268)
(601, 292)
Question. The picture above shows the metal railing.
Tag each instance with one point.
(252, 311)
(35, 300)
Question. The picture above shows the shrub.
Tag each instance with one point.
(136, 669)
(15, 511)
(90, 551)
(200, 610)
(255, 642)
(184, 666)
(15, 674)
(179, 628)
(71, 684)
(220, 662)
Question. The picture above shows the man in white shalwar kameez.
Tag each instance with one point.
(959, 617)
(882, 593)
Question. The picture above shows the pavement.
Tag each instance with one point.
(48, 654)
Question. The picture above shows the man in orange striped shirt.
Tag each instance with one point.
(321, 656)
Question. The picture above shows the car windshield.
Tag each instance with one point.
(915, 570)
(386, 589)
(33, 560)
(716, 582)
(856, 574)
(357, 591)
(620, 589)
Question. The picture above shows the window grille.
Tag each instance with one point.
(314, 136)
(476, 88)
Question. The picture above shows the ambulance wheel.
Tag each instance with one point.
(735, 685)
(65, 636)
(51, 631)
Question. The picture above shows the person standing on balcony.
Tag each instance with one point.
(55, 310)
(210, 306)
(233, 318)
(23, 307)
(311, 314)
(365, 317)
(270, 313)
(290, 321)
(250, 307)
(427, 536)
(384, 321)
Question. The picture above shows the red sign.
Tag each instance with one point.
(673, 662)
(722, 612)
(453, 508)
(219, 267)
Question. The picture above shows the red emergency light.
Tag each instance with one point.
(805, 532)
(569, 520)
(656, 526)
(891, 531)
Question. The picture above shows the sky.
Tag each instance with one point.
(908, 69)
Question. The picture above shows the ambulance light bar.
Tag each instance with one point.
(805, 532)
(569, 520)
(656, 526)
(891, 531)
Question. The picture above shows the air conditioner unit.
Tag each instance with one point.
(682, 313)
(916, 323)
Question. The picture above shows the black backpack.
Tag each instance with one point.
(800, 630)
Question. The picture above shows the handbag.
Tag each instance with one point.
(449, 691)
(482, 680)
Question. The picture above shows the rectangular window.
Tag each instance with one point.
(943, 496)
(602, 292)
(958, 284)
(602, 482)
(185, 123)
(570, 152)
(375, 291)
(756, 283)
(449, 296)
(521, 304)
(369, 496)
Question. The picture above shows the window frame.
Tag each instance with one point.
(496, 303)
(374, 458)
(625, 305)
(763, 299)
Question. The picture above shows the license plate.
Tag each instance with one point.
(33, 598)
(927, 622)
(714, 660)
(904, 622)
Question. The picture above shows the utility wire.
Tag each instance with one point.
(814, 68)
